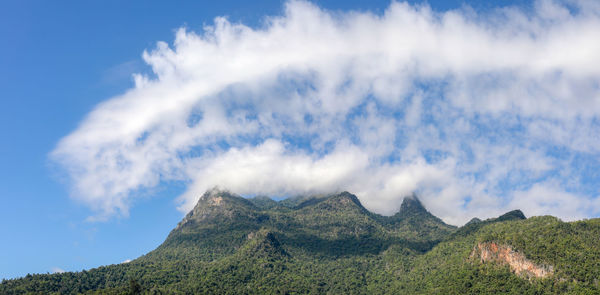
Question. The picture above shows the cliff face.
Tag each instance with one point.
(518, 263)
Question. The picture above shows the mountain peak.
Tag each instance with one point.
(218, 205)
(473, 221)
(512, 215)
(412, 204)
(221, 197)
(341, 201)
(346, 197)
(414, 218)
(475, 224)
(216, 195)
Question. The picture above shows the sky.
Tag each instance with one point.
(116, 117)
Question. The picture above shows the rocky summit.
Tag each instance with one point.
(331, 244)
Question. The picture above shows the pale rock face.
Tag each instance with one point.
(518, 263)
(216, 201)
(213, 203)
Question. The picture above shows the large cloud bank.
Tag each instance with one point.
(477, 112)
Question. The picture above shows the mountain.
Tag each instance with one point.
(331, 244)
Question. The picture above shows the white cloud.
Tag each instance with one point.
(57, 270)
(551, 199)
(465, 108)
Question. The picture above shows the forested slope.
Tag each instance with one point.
(332, 244)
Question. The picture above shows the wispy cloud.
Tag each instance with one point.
(478, 112)
(57, 270)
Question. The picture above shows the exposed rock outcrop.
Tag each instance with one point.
(504, 254)
(218, 206)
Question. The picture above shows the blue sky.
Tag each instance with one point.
(511, 124)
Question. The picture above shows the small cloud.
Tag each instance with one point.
(57, 270)
(121, 72)
(126, 261)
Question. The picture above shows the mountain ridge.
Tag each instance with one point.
(332, 244)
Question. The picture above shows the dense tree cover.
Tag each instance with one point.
(331, 244)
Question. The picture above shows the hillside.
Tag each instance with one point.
(332, 244)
